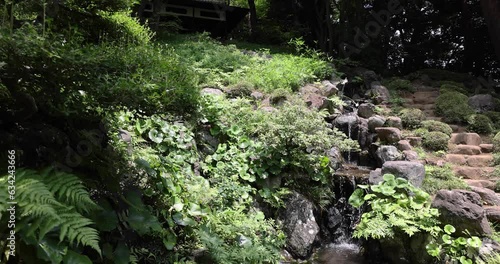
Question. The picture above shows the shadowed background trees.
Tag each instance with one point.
(459, 35)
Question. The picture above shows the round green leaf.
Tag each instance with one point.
(155, 136)
(389, 177)
(474, 242)
(447, 239)
(357, 198)
(449, 229)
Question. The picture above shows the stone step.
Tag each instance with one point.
(425, 97)
(481, 183)
(473, 173)
(465, 150)
(492, 213)
(481, 160)
(465, 139)
(486, 148)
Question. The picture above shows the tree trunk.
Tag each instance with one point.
(253, 18)
(491, 12)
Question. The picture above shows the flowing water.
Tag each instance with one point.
(343, 249)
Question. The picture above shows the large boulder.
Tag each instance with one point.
(404, 145)
(212, 91)
(387, 153)
(316, 101)
(364, 138)
(414, 172)
(465, 139)
(335, 157)
(379, 93)
(369, 77)
(410, 155)
(388, 135)
(299, 225)
(482, 103)
(375, 176)
(366, 110)
(463, 210)
(394, 121)
(329, 88)
(375, 121)
(488, 196)
(348, 123)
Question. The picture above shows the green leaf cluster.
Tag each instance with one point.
(451, 249)
(52, 214)
(396, 206)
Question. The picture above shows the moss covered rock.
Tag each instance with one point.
(453, 106)
(480, 124)
(496, 143)
(433, 125)
(452, 87)
(436, 141)
(411, 117)
(396, 84)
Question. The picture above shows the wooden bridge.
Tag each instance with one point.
(215, 16)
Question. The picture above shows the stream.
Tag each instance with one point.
(344, 249)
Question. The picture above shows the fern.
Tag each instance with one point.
(52, 202)
(69, 189)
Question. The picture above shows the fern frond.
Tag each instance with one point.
(3, 195)
(69, 189)
(76, 228)
(51, 201)
(32, 191)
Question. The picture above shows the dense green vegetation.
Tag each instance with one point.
(398, 209)
(134, 146)
(166, 192)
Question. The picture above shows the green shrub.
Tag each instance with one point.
(411, 117)
(494, 117)
(496, 159)
(480, 124)
(284, 71)
(496, 143)
(436, 141)
(233, 236)
(126, 29)
(420, 132)
(452, 88)
(433, 125)
(437, 178)
(76, 78)
(453, 106)
(224, 65)
(396, 84)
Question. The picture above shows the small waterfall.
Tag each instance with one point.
(344, 249)
(349, 134)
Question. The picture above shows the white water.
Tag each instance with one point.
(343, 253)
(343, 250)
